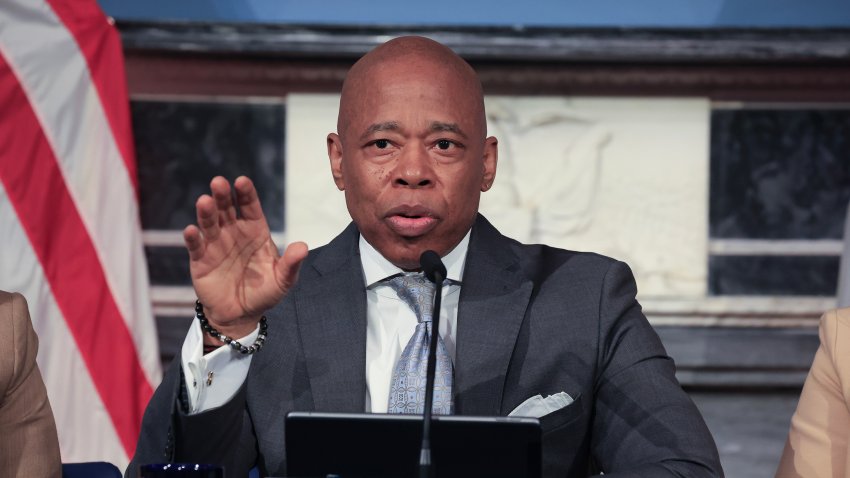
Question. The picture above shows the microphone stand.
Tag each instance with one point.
(426, 469)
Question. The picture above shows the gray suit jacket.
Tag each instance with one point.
(531, 320)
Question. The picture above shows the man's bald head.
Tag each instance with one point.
(411, 151)
(410, 55)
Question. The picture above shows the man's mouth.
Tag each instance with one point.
(411, 221)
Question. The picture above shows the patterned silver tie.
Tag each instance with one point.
(407, 390)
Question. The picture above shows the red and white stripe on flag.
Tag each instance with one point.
(70, 237)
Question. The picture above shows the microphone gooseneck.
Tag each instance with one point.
(435, 271)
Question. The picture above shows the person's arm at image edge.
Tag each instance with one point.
(820, 428)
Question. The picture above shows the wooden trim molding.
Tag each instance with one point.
(721, 64)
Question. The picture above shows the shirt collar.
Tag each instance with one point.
(377, 268)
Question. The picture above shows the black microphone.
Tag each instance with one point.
(431, 265)
(435, 271)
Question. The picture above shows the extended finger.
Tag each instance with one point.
(247, 198)
(194, 242)
(290, 263)
(220, 188)
(207, 214)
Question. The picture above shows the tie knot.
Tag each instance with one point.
(417, 292)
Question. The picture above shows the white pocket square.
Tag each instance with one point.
(538, 406)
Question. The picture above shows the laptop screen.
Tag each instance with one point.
(379, 445)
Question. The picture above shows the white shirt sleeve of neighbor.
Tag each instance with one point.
(213, 379)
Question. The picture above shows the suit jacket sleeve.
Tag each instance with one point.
(222, 435)
(28, 442)
(820, 428)
(644, 424)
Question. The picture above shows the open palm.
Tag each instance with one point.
(235, 266)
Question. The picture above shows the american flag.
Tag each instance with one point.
(70, 237)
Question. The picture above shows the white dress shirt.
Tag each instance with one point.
(213, 379)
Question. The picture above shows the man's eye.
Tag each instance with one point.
(444, 144)
(381, 144)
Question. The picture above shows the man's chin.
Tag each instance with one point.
(404, 251)
(405, 257)
(408, 261)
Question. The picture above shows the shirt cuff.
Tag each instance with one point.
(213, 379)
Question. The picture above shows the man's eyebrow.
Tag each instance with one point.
(378, 127)
(448, 127)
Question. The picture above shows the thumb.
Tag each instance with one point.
(288, 265)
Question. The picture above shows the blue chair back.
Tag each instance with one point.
(91, 469)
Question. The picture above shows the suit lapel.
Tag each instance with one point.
(493, 301)
(332, 322)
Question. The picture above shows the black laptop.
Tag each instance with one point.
(384, 446)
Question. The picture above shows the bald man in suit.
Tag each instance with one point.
(29, 446)
(412, 156)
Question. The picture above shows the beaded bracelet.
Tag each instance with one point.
(235, 345)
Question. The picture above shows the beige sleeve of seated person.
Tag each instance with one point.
(818, 438)
(29, 446)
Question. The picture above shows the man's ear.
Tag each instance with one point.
(491, 157)
(335, 156)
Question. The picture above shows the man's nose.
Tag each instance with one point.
(414, 168)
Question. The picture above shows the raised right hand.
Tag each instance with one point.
(235, 266)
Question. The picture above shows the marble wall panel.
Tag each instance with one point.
(779, 173)
(623, 177)
(315, 209)
(168, 265)
(181, 145)
(773, 275)
(171, 331)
